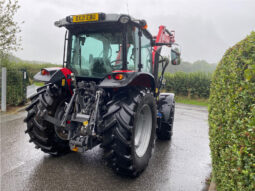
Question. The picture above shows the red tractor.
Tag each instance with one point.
(107, 93)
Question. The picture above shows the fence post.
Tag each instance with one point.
(3, 99)
(24, 85)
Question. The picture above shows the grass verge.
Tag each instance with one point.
(39, 84)
(186, 100)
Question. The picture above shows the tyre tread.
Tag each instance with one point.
(41, 132)
(117, 136)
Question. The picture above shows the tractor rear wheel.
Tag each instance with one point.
(129, 133)
(41, 132)
(165, 130)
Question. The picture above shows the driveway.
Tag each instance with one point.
(181, 164)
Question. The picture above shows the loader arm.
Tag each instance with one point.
(164, 37)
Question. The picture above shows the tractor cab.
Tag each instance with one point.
(100, 44)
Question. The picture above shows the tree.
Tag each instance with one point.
(9, 29)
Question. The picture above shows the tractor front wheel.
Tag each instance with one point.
(165, 129)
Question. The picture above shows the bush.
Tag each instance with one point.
(193, 85)
(16, 86)
(232, 118)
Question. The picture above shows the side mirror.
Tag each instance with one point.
(175, 55)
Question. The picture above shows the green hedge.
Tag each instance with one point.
(15, 83)
(232, 118)
(193, 85)
(16, 87)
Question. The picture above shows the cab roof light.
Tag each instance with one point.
(69, 18)
(145, 27)
(124, 19)
(143, 24)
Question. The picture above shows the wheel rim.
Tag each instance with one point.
(143, 130)
(61, 132)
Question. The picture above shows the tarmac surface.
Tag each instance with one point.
(182, 164)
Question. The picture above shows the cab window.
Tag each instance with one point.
(146, 54)
(132, 48)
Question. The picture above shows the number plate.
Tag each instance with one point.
(85, 18)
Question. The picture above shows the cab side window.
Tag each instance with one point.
(146, 54)
(133, 49)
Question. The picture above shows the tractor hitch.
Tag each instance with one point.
(84, 137)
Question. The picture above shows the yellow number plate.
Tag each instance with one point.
(85, 18)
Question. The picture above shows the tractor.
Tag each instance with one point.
(107, 93)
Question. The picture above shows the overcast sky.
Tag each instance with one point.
(204, 28)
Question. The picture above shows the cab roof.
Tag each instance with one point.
(72, 21)
(102, 18)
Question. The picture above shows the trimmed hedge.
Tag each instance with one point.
(193, 85)
(16, 87)
(15, 83)
(232, 118)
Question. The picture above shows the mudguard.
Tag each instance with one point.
(165, 103)
(46, 76)
(58, 76)
(137, 79)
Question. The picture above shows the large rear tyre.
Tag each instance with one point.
(165, 130)
(129, 133)
(41, 132)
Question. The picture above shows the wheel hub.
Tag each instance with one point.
(61, 132)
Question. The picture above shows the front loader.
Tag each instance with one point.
(107, 93)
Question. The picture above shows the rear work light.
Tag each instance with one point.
(44, 72)
(118, 76)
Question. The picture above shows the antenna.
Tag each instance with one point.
(127, 7)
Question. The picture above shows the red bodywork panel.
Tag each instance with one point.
(162, 37)
(122, 71)
(67, 73)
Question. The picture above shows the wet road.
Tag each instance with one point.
(181, 164)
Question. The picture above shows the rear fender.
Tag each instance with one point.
(165, 104)
(136, 79)
(45, 74)
(58, 76)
